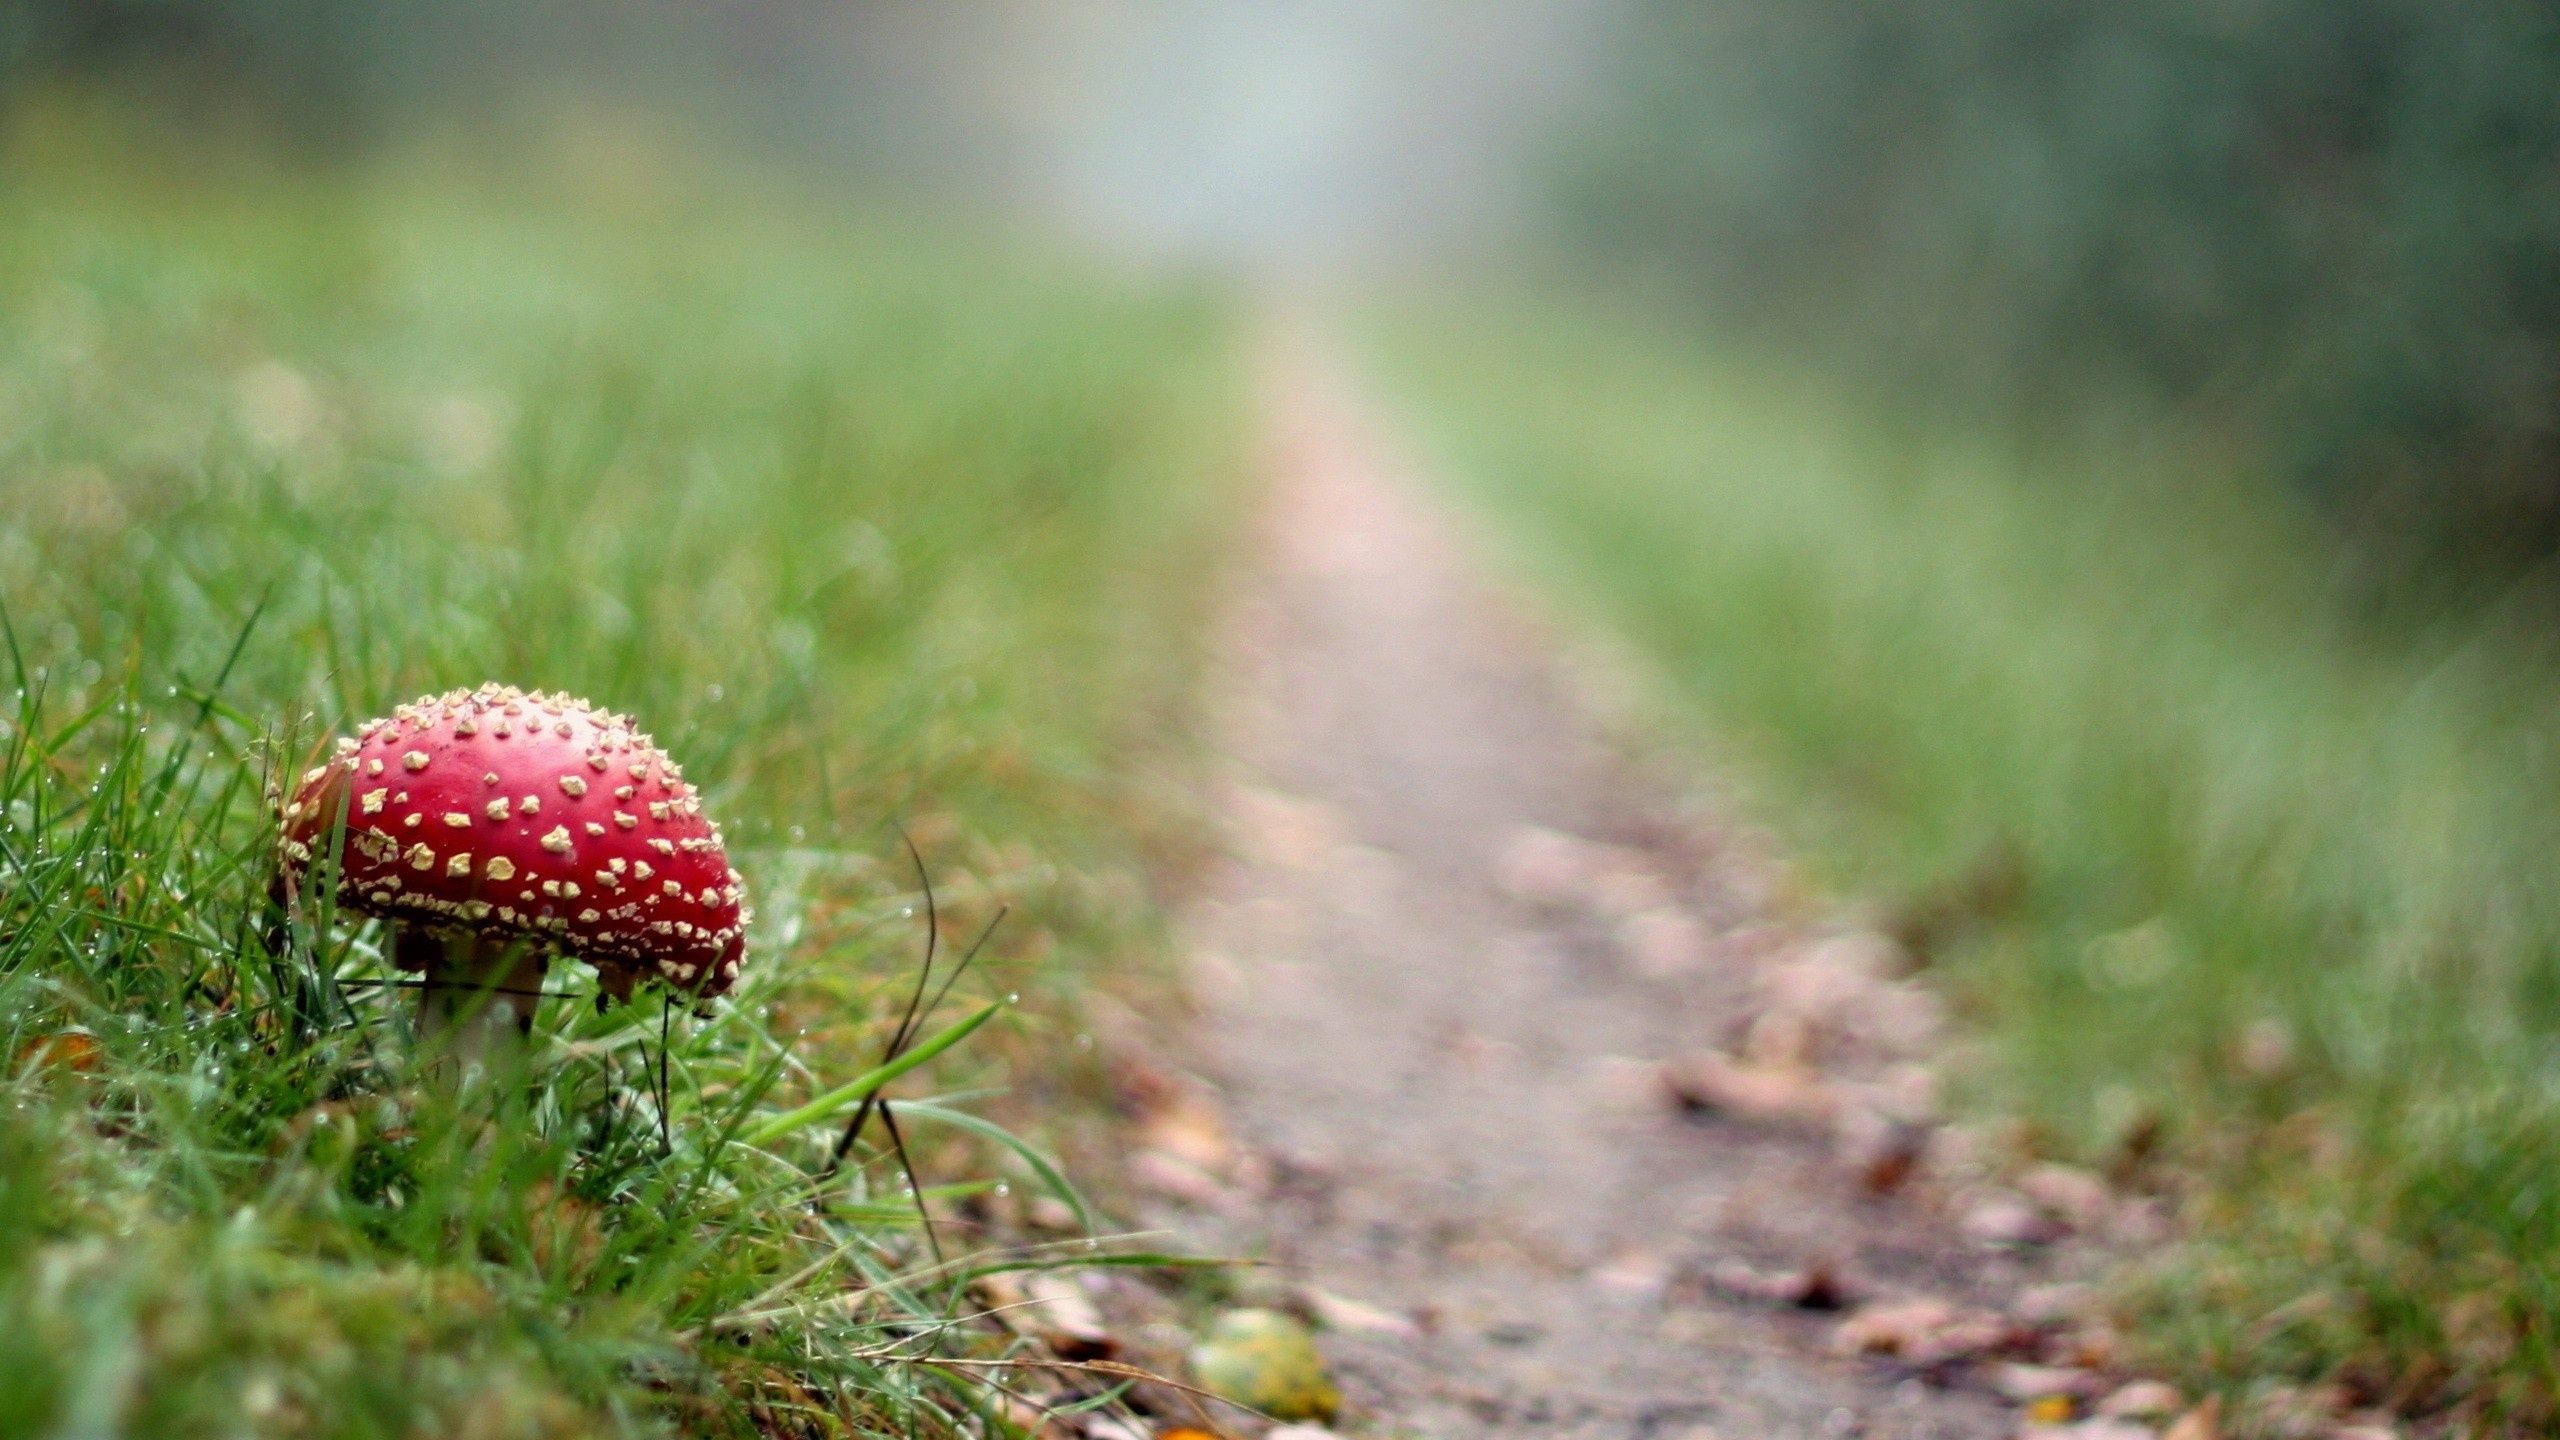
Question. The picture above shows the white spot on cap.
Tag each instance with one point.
(497, 809)
(373, 799)
(457, 819)
(557, 841)
(501, 868)
(420, 857)
(573, 785)
(458, 864)
(415, 760)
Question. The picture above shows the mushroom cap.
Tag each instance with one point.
(515, 814)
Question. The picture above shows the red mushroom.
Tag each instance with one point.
(493, 827)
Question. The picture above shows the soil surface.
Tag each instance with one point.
(1462, 935)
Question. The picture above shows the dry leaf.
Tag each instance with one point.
(1920, 1332)
(1064, 1318)
(1663, 943)
(2026, 1383)
(2005, 1219)
(2074, 1196)
(1763, 1094)
(1547, 866)
(74, 1050)
(1189, 1126)
(2202, 1423)
(2143, 1400)
(1341, 1312)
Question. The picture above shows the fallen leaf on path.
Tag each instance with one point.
(2052, 1304)
(1177, 1179)
(1811, 1287)
(1921, 1332)
(2008, 1219)
(1065, 1319)
(1549, 866)
(1882, 1151)
(1048, 1212)
(2027, 1383)
(1632, 1275)
(2202, 1423)
(2143, 1400)
(1191, 1127)
(1663, 943)
(1781, 1039)
(2074, 1196)
(1765, 1094)
(1341, 1312)
(1285, 829)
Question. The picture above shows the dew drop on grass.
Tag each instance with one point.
(1013, 997)
(1003, 1189)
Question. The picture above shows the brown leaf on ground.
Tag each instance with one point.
(1191, 1127)
(1663, 943)
(2202, 1423)
(2076, 1197)
(1358, 1317)
(72, 1050)
(1546, 866)
(1175, 1178)
(2056, 1304)
(2023, 1383)
(1065, 1319)
(1882, 1151)
(2008, 1219)
(1637, 1275)
(2143, 1400)
(1921, 1333)
(1817, 1286)
(1768, 1095)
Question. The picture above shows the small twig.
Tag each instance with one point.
(899, 1037)
(666, 1079)
(924, 1212)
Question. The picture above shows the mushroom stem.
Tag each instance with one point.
(457, 1010)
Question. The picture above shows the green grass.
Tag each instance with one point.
(866, 523)
(2190, 838)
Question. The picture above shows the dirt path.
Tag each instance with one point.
(1434, 1014)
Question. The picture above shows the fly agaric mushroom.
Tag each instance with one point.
(493, 827)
